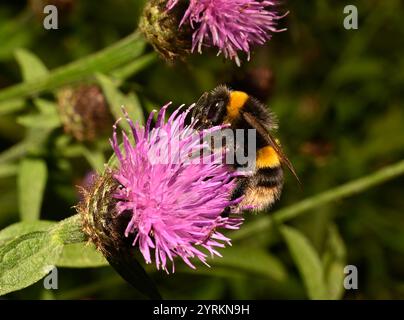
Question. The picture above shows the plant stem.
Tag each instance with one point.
(344, 191)
(130, 69)
(105, 60)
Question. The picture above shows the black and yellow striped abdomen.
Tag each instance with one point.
(264, 187)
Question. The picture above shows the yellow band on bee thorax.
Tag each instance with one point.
(237, 101)
(267, 158)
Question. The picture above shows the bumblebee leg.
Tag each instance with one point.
(225, 213)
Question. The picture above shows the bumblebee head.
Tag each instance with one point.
(211, 108)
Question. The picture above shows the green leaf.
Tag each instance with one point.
(70, 230)
(81, 255)
(7, 170)
(29, 250)
(32, 176)
(334, 261)
(27, 259)
(123, 260)
(307, 262)
(48, 117)
(31, 66)
(11, 106)
(44, 121)
(117, 100)
(46, 106)
(259, 262)
(20, 228)
(106, 60)
(134, 108)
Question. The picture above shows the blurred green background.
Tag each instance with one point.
(338, 95)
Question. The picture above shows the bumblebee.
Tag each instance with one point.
(241, 111)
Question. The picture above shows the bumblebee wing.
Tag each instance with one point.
(263, 132)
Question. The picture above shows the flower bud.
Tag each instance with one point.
(105, 228)
(84, 112)
(99, 215)
(162, 29)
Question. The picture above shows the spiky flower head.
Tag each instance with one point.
(169, 199)
(176, 28)
(229, 25)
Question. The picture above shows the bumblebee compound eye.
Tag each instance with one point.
(217, 112)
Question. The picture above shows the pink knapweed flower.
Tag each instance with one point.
(230, 25)
(174, 203)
